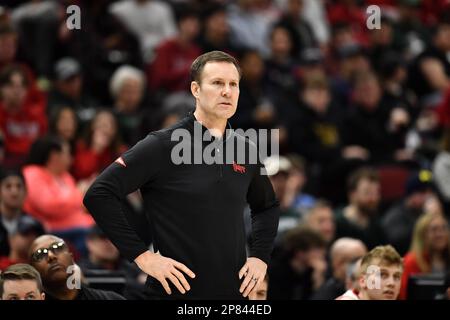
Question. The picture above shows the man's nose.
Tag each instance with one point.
(51, 256)
(226, 90)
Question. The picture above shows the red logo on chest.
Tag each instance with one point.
(238, 168)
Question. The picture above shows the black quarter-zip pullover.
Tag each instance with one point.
(195, 210)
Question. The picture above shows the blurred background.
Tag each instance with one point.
(363, 117)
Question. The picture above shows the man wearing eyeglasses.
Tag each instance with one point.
(50, 256)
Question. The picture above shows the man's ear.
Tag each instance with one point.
(195, 88)
(43, 296)
(362, 281)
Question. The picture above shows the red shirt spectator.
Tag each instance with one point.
(22, 118)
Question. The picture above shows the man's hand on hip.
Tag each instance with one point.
(253, 272)
(162, 268)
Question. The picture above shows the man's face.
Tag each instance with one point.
(322, 220)
(12, 192)
(21, 290)
(14, 92)
(131, 94)
(8, 47)
(54, 265)
(367, 196)
(382, 285)
(218, 93)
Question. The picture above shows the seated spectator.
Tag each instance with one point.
(127, 89)
(64, 125)
(68, 90)
(100, 146)
(374, 125)
(343, 252)
(21, 282)
(103, 255)
(360, 218)
(150, 21)
(12, 197)
(398, 222)
(52, 258)
(169, 71)
(299, 269)
(278, 169)
(351, 281)
(295, 195)
(215, 34)
(430, 249)
(380, 275)
(20, 240)
(321, 219)
(52, 196)
(21, 120)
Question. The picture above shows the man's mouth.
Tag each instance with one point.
(55, 267)
(389, 294)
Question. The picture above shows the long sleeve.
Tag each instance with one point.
(136, 168)
(265, 215)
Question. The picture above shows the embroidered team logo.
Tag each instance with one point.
(238, 168)
(120, 161)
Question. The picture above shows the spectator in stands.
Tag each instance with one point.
(299, 269)
(127, 89)
(321, 219)
(398, 222)
(249, 27)
(343, 252)
(169, 71)
(151, 21)
(21, 119)
(20, 240)
(295, 195)
(278, 169)
(299, 29)
(37, 23)
(103, 255)
(64, 125)
(281, 68)
(52, 196)
(68, 90)
(360, 218)
(430, 249)
(12, 197)
(256, 110)
(52, 258)
(99, 147)
(379, 276)
(373, 125)
(21, 282)
(430, 72)
(215, 33)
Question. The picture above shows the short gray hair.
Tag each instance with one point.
(123, 73)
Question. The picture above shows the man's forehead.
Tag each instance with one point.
(220, 69)
(44, 241)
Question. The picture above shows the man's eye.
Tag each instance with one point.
(30, 297)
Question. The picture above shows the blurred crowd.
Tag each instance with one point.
(363, 119)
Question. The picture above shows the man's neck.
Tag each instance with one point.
(362, 295)
(9, 213)
(353, 214)
(62, 292)
(216, 126)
